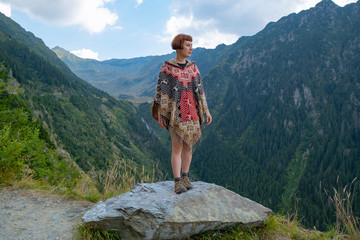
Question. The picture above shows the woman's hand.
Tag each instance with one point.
(208, 117)
(160, 121)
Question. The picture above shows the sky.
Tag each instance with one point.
(106, 29)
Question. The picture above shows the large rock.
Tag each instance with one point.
(154, 211)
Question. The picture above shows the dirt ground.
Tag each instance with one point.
(29, 215)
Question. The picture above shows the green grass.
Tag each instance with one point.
(276, 227)
(85, 233)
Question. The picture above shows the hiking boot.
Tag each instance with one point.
(179, 187)
(186, 182)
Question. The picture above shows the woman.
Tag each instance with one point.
(179, 106)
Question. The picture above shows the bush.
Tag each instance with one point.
(21, 146)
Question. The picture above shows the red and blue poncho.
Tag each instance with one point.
(180, 99)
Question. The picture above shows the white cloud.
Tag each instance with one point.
(138, 2)
(5, 8)
(91, 14)
(213, 38)
(206, 35)
(344, 2)
(117, 27)
(212, 22)
(306, 4)
(177, 23)
(86, 53)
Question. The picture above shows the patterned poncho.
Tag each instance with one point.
(180, 99)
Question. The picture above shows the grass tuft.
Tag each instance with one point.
(121, 178)
(86, 233)
(345, 219)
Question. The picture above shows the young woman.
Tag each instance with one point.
(180, 107)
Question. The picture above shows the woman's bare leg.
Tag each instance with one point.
(176, 155)
(186, 158)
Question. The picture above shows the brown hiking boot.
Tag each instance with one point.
(179, 187)
(186, 182)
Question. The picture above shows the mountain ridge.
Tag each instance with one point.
(135, 78)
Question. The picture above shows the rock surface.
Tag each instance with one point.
(154, 211)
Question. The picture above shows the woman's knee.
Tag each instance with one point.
(186, 149)
(176, 149)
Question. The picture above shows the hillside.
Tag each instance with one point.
(286, 112)
(26, 148)
(95, 128)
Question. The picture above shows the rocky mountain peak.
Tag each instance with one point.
(326, 4)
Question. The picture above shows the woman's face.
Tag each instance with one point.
(186, 49)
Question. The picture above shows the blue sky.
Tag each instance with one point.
(105, 29)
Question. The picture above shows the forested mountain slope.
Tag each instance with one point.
(95, 128)
(286, 109)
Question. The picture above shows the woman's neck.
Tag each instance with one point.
(180, 59)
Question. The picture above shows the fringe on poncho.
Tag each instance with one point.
(180, 99)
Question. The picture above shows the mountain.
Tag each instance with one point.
(123, 78)
(94, 127)
(134, 79)
(286, 110)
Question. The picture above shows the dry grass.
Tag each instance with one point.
(276, 227)
(122, 177)
(346, 221)
(85, 188)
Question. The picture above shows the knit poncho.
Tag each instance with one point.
(180, 99)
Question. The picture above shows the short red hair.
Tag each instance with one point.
(178, 41)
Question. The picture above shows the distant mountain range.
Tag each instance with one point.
(285, 105)
(124, 78)
(134, 79)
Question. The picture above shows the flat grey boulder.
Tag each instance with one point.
(155, 211)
